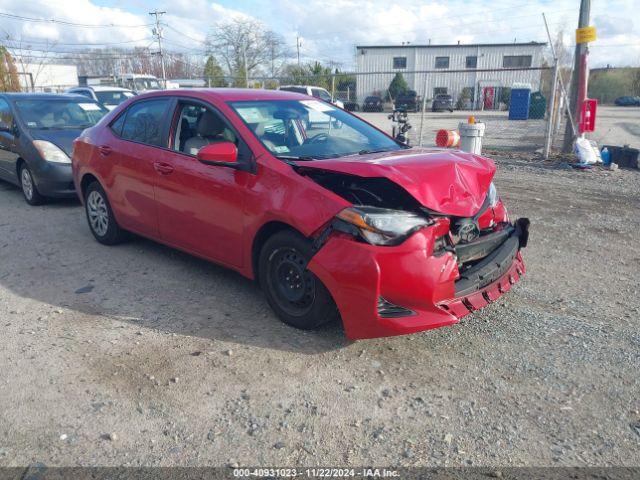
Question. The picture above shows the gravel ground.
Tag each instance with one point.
(141, 355)
(614, 126)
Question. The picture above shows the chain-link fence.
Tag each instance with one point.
(513, 103)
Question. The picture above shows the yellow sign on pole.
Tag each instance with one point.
(586, 35)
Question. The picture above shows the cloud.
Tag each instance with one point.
(330, 29)
(611, 26)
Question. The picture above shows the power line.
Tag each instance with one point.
(183, 34)
(70, 24)
(82, 44)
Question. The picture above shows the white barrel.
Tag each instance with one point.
(471, 137)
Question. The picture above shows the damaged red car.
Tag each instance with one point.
(333, 217)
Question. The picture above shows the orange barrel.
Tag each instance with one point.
(447, 138)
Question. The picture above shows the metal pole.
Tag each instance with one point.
(244, 60)
(552, 100)
(579, 81)
(298, 49)
(424, 107)
(333, 87)
(158, 33)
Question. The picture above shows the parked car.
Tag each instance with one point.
(317, 92)
(314, 117)
(373, 104)
(442, 102)
(332, 222)
(36, 136)
(110, 97)
(351, 106)
(628, 101)
(139, 82)
(409, 101)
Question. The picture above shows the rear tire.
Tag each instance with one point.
(29, 188)
(100, 217)
(294, 293)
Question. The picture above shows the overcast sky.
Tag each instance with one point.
(329, 29)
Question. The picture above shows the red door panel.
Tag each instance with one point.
(200, 207)
(130, 185)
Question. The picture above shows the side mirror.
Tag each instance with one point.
(222, 153)
(5, 127)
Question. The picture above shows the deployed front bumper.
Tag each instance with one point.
(363, 277)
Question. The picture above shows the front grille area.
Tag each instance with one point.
(489, 269)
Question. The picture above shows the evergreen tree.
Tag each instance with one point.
(213, 73)
(398, 86)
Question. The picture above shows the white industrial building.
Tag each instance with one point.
(483, 69)
(46, 77)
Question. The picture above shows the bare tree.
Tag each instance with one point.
(246, 47)
(8, 73)
(30, 61)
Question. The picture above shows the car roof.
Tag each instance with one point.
(44, 96)
(303, 86)
(106, 88)
(227, 94)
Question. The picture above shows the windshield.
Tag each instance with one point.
(58, 114)
(146, 84)
(310, 129)
(113, 97)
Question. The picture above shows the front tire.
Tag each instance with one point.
(29, 189)
(295, 294)
(102, 223)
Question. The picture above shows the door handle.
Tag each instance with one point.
(104, 150)
(163, 168)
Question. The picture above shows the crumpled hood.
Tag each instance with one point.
(60, 138)
(446, 181)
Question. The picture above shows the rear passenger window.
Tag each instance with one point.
(144, 121)
(117, 125)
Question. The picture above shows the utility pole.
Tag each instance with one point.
(157, 31)
(244, 61)
(298, 48)
(580, 76)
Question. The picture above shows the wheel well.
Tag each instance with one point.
(265, 232)
(19, 164)
(85, 182)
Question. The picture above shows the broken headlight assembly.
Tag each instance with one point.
(379, 226)
(492, 195)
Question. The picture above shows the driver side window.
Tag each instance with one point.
(6, 117)
(197, 126)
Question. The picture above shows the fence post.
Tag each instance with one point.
(552, 112)
(333, 87)
(424, 107)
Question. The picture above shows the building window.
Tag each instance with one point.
(472, 62)
(442, 62)
(516, 61)
(399, 62)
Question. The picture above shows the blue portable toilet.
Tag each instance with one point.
(519, 104)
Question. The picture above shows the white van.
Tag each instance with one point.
(317, 92)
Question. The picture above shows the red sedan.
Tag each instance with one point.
(332, 216)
